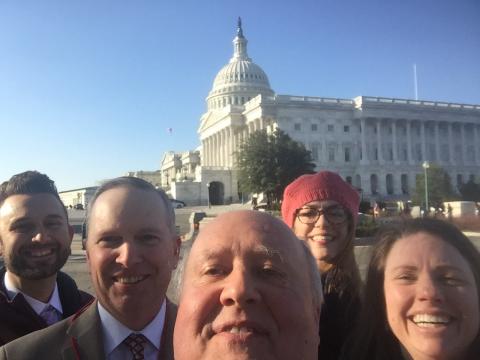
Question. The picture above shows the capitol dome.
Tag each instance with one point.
(240, 80)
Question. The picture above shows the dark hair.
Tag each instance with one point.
(373, 338)
(28, 182)
(136, 183)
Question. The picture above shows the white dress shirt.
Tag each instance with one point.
(114, 332)
(37, 305)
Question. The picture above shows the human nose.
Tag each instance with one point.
(128, 254)
(428, 289)
(41, 235)
(322, 220)
(239, 289)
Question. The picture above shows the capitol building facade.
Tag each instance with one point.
(377, 144)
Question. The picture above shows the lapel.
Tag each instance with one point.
(84, 336)
(166, 350)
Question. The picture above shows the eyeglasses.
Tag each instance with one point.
(334, 214)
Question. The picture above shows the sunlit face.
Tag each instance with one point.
(246, 294)
(131, 253)
(35, 236)
(431, 298)
(325, 239)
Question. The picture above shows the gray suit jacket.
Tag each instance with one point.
(78, 337)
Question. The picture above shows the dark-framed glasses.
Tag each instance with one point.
(334, 214)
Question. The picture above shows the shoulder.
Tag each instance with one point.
(37, 345)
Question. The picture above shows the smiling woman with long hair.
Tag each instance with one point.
(322, 209)
(421, 296)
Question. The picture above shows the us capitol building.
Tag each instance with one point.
(377, 144)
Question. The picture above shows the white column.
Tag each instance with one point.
(364, 144)
(394, 142)
(476, 144)
(234, 145)
(230, 146)
(205, 151)
(464, 144)
(218, 149)
(214, 148)
(210, 151)
(451, 145)
(424, 142)
(409, 141)
(379, 142)
(222, 147)
(437, 141)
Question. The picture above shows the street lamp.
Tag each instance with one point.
(425, 166)
(208, 194)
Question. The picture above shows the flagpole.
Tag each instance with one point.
(415, 80)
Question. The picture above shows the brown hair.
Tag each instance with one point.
(373, 338)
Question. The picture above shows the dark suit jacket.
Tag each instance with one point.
(78, 337)
(17, 318)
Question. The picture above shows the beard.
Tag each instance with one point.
(23, 266)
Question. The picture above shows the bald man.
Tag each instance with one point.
(250, 291)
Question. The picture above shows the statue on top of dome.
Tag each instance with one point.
(239, 27)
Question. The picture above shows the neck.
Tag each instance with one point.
(40, 289)
(323, 266)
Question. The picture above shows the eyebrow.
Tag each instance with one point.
(439, 267)
(261, 250)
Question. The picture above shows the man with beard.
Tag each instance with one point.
(35, 239)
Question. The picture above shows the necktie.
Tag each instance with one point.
(135, 343)
(50, 315)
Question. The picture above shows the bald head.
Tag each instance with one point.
(245, 268)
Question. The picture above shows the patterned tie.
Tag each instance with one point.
(135, 344)
(50, 315)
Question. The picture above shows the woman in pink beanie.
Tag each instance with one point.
(322, 209)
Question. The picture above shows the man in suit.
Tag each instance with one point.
(132, 248)
(251, 290)
(35, 239)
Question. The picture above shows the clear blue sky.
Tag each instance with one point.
(88, 88)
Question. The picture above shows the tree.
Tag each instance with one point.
(470, 191)
(267, 163)
(439, 187)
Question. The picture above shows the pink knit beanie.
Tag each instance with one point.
(324, 185)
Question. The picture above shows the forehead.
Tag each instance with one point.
(321, 203)
(127, 205)
(30, 205)
(242, 237)
(424, 248)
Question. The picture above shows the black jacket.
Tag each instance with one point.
(17, 318)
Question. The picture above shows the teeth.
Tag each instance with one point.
(322, 238)
(428, 320)
(38, 253)
(238, 330)
(130, 279)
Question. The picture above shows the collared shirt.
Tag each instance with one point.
(37, 305)
(114, 332)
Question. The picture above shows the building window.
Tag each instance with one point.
(375, 155)
(314, 151)
(330, 128)
(349, 180)
(390, 129)
(346, 128)
(404, 181)
(347, 154)
(297, 127)
(331, 154)
(314, 127)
